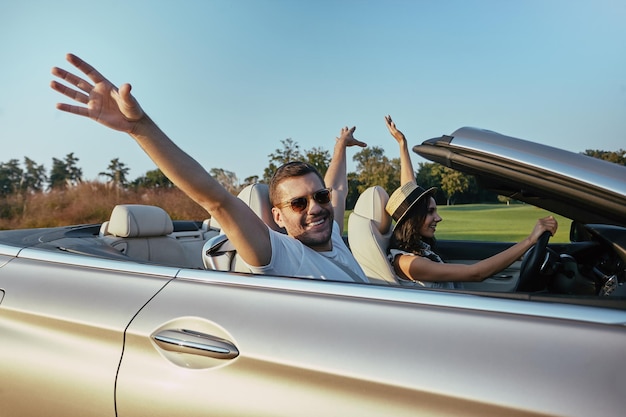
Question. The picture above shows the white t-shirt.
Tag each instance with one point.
(290, 257)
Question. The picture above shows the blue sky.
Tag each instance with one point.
(229, 79)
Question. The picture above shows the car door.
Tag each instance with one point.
(62, 322)
(218, 344)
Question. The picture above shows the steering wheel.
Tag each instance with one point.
(529, 276)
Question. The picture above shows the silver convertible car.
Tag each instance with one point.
(145, 316)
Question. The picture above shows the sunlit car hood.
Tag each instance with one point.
(582, 188)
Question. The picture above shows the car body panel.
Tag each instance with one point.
(312, 348)
(62, 328)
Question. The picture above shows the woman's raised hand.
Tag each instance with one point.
(399, 136)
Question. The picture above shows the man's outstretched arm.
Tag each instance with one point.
(102, 101)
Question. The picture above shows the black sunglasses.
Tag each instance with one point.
(299, 204)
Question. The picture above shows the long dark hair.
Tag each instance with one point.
(406, 235)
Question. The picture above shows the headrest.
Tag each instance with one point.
(135, 220)
(257, 197)
(371, 204)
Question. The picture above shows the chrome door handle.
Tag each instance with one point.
(195, 343)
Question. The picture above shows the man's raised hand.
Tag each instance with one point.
(101, 100)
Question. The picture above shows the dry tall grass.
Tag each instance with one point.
(89, 202)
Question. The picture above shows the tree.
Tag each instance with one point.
(319, 158)
(288, 153)
(153, 179)
(452, 182)
(75, 173)
(353, 190)
(268, 172)
(33, 177)
(253, 179)
(426, 177)
(65, 172)
(374, 168)
(504, 199)
(228, 179)
(58, 174)
(10, 177)
(618, 157)
(117, 172)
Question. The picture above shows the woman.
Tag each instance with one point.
(415, 212)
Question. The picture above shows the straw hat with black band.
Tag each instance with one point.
(405, 197)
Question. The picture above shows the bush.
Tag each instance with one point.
(87, 203)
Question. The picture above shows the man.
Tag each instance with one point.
(313, 247)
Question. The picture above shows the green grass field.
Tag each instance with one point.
(494, 222)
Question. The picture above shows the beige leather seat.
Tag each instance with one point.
(218, 252)
(257, 196)
(369, 231)
(141, 232)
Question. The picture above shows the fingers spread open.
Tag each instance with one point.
(72, 79)
(87, 69)
(70, 92)
(81, 111)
